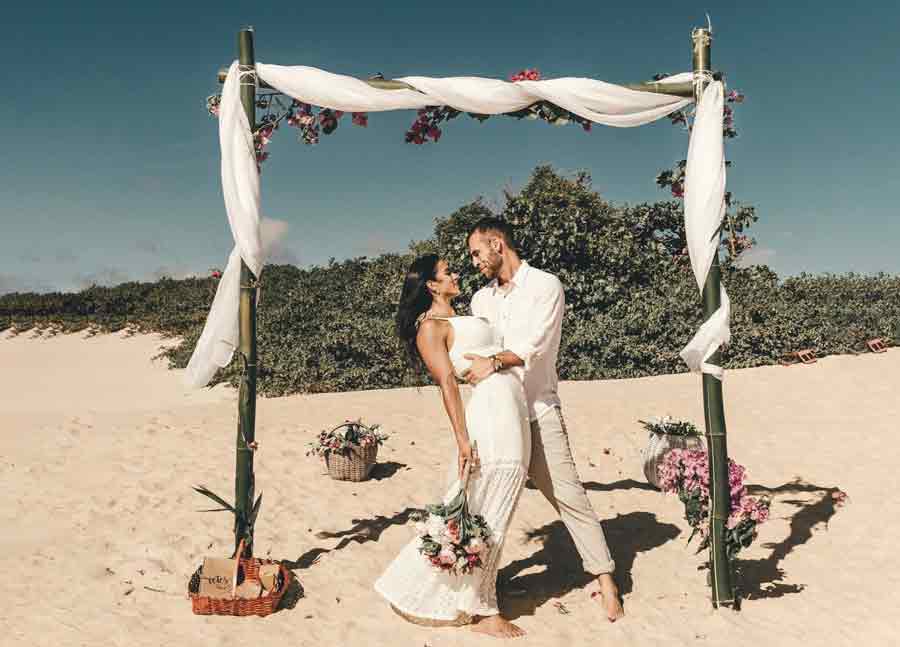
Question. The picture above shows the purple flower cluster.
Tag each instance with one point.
(342, 439)
(301, 116)
(212, 104)
(425, 126)
(526, 75)
(261, 139)
(685, 472)
(682, 119)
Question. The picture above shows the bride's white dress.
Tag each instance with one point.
(497, 418)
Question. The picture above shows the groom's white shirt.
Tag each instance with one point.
(527, 316)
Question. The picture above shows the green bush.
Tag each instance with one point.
(631, 300)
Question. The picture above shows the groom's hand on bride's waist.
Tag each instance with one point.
(481, 368)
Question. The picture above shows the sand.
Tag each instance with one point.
(101, 445)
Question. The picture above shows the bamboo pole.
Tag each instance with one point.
(244, 484)
(714, 414)
(685, 89)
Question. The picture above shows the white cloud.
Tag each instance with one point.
(273, 233)
(756, 256)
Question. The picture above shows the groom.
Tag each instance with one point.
(525, 305)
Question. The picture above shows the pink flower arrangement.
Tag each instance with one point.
(685, 472)
(526, 75)
(212, 104)
(735, 96)
(342, 439)
(425, 127)
(301, 116)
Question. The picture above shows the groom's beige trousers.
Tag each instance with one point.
(553, 471)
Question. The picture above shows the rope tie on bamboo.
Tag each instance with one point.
(702, 78)
(247, 70)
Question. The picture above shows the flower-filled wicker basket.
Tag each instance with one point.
(350, 450)
(664, 435)
(246, 569)
(356, 465)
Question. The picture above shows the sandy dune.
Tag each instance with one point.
(100, 447)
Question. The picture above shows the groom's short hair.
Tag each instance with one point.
(489, 224)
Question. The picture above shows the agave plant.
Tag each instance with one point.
(243, 525)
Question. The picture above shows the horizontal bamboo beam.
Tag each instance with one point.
(675, 89)
(685, 89)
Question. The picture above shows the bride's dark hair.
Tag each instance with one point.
(415, 298)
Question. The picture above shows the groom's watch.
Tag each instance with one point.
(497, 363)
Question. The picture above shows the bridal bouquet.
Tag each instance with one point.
(451, 538)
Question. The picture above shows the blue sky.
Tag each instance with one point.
(110, 163)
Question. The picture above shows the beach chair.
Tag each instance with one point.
(876, 345)
(805, 356)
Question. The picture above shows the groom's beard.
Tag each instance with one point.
(492, 266)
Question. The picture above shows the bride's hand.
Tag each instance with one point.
(481, 368)
(467, 455)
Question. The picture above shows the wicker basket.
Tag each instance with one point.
(249, 568)
(658, 445)
(356, 466)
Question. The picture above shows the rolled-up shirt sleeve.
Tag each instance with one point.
(540, 332)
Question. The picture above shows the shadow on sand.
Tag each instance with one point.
(630, 534)
(638, 532)
(765, 578)
(385, 470)
(362, 531)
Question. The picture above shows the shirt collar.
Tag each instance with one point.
(518, 279)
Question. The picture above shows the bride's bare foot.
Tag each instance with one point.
(606, 592)
(496, 626)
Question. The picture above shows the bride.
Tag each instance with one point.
(496, 417)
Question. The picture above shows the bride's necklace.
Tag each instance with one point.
(430, 314)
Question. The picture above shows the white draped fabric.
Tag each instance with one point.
(599, 102)
(704, 209)
(240, 186)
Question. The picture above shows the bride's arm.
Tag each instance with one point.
(432, 344)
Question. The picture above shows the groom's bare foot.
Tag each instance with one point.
(496, 626)
(606, 592)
